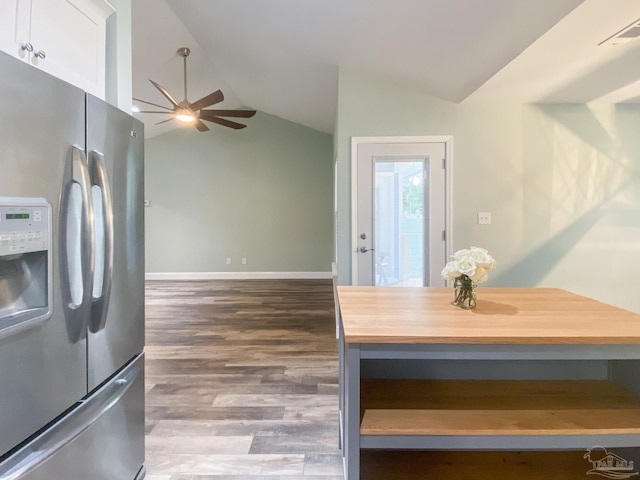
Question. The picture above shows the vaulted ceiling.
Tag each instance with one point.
(282, 57)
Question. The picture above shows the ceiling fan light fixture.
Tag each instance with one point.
(185, 116)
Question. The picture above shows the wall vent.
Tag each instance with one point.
(628, 33)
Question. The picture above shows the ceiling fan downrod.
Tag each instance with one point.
(184, 53)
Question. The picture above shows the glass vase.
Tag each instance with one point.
(464, 295)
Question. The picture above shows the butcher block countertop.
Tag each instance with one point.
(502, 316)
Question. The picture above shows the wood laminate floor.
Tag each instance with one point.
(241, 380)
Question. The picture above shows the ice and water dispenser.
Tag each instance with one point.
(25, 263)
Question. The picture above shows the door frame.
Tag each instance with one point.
(448, 201)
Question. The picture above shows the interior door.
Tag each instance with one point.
(400, 217)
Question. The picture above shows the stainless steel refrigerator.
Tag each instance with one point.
(71, 282)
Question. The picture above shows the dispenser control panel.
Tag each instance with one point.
(24, 226)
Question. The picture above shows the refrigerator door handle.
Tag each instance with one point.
(76, 244)
(66, 430)
(103, 246)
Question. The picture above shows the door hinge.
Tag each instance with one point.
(444, 235)
(444, 163)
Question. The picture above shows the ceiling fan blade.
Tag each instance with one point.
(165, 121)
(204, 102)
(154, 104)
(164, 92)
(223, 122)
(230, 113)
(152, 111)
(201, 126)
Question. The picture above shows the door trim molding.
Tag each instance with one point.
(355, 142)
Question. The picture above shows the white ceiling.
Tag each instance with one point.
(282, 56)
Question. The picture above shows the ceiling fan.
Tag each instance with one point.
(195, 112)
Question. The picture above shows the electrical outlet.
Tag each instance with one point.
(244, 260)
(484, 218)
(228, 260)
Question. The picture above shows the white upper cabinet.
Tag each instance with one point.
(14, 25)
(65, 38)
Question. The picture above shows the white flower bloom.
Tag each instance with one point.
(449, 271)
(461, 254)
(482, 258)
(465, 266)
(480, 275)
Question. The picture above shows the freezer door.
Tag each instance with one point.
(102, 439)
(43, 368)
(115, 143)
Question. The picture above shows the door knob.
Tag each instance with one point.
(365, 249)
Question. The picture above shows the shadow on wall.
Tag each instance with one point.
(580, 179)
(583, 122)
(541, 261)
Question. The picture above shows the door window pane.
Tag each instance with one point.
(399, 220)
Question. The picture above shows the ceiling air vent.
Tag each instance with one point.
(628, 33)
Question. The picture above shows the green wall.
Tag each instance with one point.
(562, 183)
(263, 193)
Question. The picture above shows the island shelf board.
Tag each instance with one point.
(497, 407)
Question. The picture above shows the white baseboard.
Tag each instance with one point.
(235, 275)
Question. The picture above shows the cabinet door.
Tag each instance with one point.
(71, 36)
(14, 26)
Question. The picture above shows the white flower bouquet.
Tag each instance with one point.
(472, 262)
(469, 267)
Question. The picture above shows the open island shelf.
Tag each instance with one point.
(497, 407)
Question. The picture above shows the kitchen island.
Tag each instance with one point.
(529, 379)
